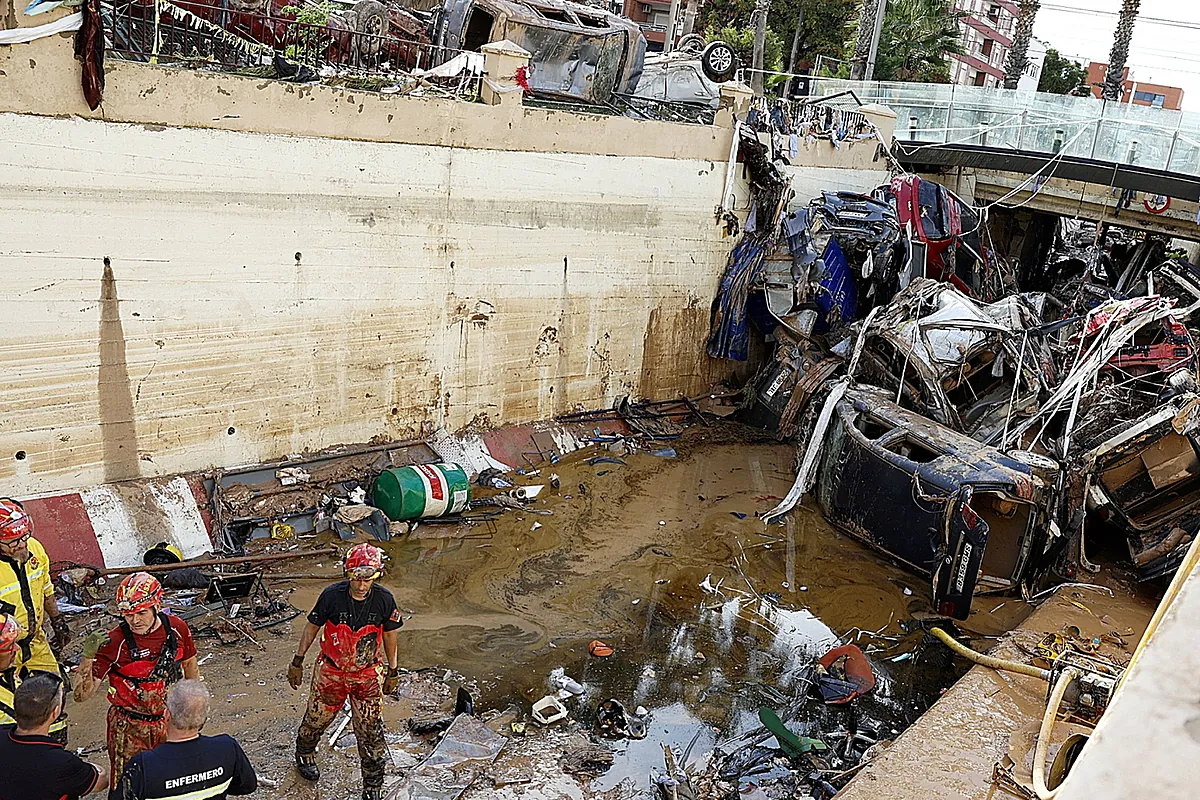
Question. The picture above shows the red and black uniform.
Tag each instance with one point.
(349, 667)
(38, 768)
(140, 670)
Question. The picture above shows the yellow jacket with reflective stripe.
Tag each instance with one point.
(37, 571)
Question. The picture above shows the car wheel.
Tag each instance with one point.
(692, 44)
(372, 17)
(371, 23)
(719, 62)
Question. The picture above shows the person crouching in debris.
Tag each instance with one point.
(141, 657)
(11, 633)
(358, 622)
(27, 593)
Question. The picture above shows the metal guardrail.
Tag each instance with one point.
(1034, 122)
(205, 36)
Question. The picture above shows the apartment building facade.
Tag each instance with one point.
(987, 31)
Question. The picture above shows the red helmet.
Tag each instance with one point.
(138, 592)
(15, 521)
(364, 562)
(10, 633)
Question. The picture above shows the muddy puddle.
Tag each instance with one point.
(711, 615)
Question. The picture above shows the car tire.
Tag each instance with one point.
(692, 44)
(719, 62)
(371, 22)
(371, 17)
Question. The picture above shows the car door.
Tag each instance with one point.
(964, 538)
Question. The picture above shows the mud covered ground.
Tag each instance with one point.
(624, 556)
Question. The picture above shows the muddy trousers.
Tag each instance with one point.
(127, 736)
(330, 689)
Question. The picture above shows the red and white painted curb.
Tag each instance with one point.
(112, 525)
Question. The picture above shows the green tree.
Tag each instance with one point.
(917, 37)
(823, 31)
(826, 23)
(742, 42)
(1061, 75)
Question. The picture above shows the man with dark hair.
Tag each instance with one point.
(35, 766)
(188, 765)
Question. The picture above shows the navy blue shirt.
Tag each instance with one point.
(204, 768)
(38, 768)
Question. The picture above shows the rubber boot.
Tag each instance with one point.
(373, 793)
(306, 763)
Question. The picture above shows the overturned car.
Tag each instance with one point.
(577, 52)
(969, 516)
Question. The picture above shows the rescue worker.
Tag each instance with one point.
(27, 592)
(357, 621)
(34, 766)
(188, 766)
(11, 633)
(142, 657)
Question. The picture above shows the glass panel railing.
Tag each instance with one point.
(1086, 127)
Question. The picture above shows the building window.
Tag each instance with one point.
(980, 78)
(986, 49)
(1156, 100)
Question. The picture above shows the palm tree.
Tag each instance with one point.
(862, 42)
(917, 37)
(1018, 55)
(1112, 88)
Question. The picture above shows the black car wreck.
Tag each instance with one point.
(969, 516)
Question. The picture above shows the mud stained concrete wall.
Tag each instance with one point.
(179, 298)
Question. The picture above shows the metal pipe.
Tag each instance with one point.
(212, 562)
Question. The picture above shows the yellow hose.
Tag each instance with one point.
(1043, 741)
(990, 661)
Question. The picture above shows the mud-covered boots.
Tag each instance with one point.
(306, 763)
(373, 793)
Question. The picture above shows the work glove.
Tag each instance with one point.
(295, 672)
(93, 643)
(392, 682)
(62, 633)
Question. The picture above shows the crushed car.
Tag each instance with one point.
(969, 516)
(1146, 480)
(973, 367)
(577, 52)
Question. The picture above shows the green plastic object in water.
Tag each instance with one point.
(789, 742)
(424, 490)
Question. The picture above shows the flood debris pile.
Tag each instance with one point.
(969, 414)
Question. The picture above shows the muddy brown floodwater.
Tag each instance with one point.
(627, 556)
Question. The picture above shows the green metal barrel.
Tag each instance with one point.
(424, 490)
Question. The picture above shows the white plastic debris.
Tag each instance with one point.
(547, 710)
(536, 525)
(559, 679)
